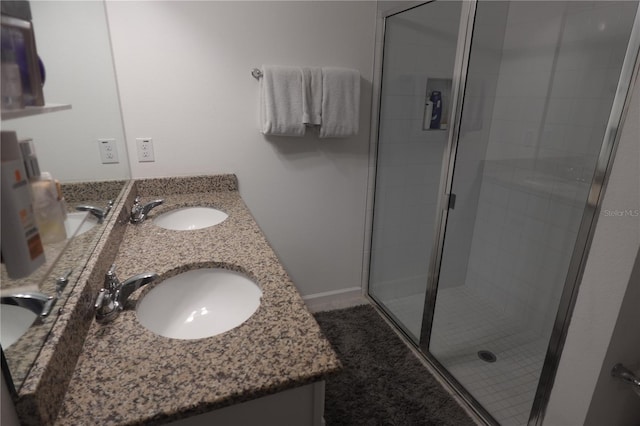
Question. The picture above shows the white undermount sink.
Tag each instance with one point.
(78, 223)
(14, 322)
(199, 303)
(190, 218)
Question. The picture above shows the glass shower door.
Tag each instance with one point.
(418, 66)
(541, 81)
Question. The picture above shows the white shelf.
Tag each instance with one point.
(29, 111)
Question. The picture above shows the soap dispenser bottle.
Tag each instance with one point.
(37, 178)
(48, 210)
(47, 205)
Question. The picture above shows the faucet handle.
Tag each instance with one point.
(139, 212)
(112, 270)
(136, 208)
(108, 208)
(62, 281)
(106, 306)
(100, 299)
(111, 281)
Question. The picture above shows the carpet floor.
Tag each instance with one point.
(382, 382)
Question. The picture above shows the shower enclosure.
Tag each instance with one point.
(496, 123)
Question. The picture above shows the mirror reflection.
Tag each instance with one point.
(73, 42)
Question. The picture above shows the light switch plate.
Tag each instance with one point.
(145, 150)
(108, 151)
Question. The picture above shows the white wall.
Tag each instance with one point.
(184, 77)
(614, 402)
(73, 42)
(607, 274)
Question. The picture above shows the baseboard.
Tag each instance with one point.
(400, 287)
(337, 299)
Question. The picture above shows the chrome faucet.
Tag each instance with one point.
(114, 294)
(139, 212)
(96, 211)
(38, 303)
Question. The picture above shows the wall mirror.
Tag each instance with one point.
(73, 42)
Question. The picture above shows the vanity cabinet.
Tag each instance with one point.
(269, 370)
(301, 406)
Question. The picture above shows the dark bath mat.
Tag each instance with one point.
(382, 382)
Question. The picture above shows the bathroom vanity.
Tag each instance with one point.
(267, 370)
(70, 369)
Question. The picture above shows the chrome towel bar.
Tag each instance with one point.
(256, 73)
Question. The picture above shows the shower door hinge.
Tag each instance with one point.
(452, 201)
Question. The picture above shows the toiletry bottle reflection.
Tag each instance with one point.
(49, 211)
(22, 250)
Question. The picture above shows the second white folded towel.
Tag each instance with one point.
(311, 96)
(340, 103)
(281, 101)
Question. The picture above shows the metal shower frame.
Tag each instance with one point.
(629, 76)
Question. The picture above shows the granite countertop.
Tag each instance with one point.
(63, 258)
(21, 355)
(126, 374)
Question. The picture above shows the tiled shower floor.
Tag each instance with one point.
(466, 323)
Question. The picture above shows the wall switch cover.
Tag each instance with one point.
(145, 150)
(108, 151)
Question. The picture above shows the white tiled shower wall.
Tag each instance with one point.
(524, 234)
(475, 130)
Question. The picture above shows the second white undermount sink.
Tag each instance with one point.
(199, 303)
(78, 223)
(190, 218)
(14, 322)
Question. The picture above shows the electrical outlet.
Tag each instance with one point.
(145, 150)
(108, 151)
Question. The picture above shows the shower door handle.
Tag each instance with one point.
(452, 201)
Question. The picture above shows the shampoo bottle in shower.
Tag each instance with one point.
(436, 116)
(428, 111)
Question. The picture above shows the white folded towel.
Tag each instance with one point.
(281, 101)
(312, 96)
(340, 103)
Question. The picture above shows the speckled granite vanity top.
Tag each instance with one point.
(126, 374)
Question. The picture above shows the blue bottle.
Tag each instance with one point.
(436, 114)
